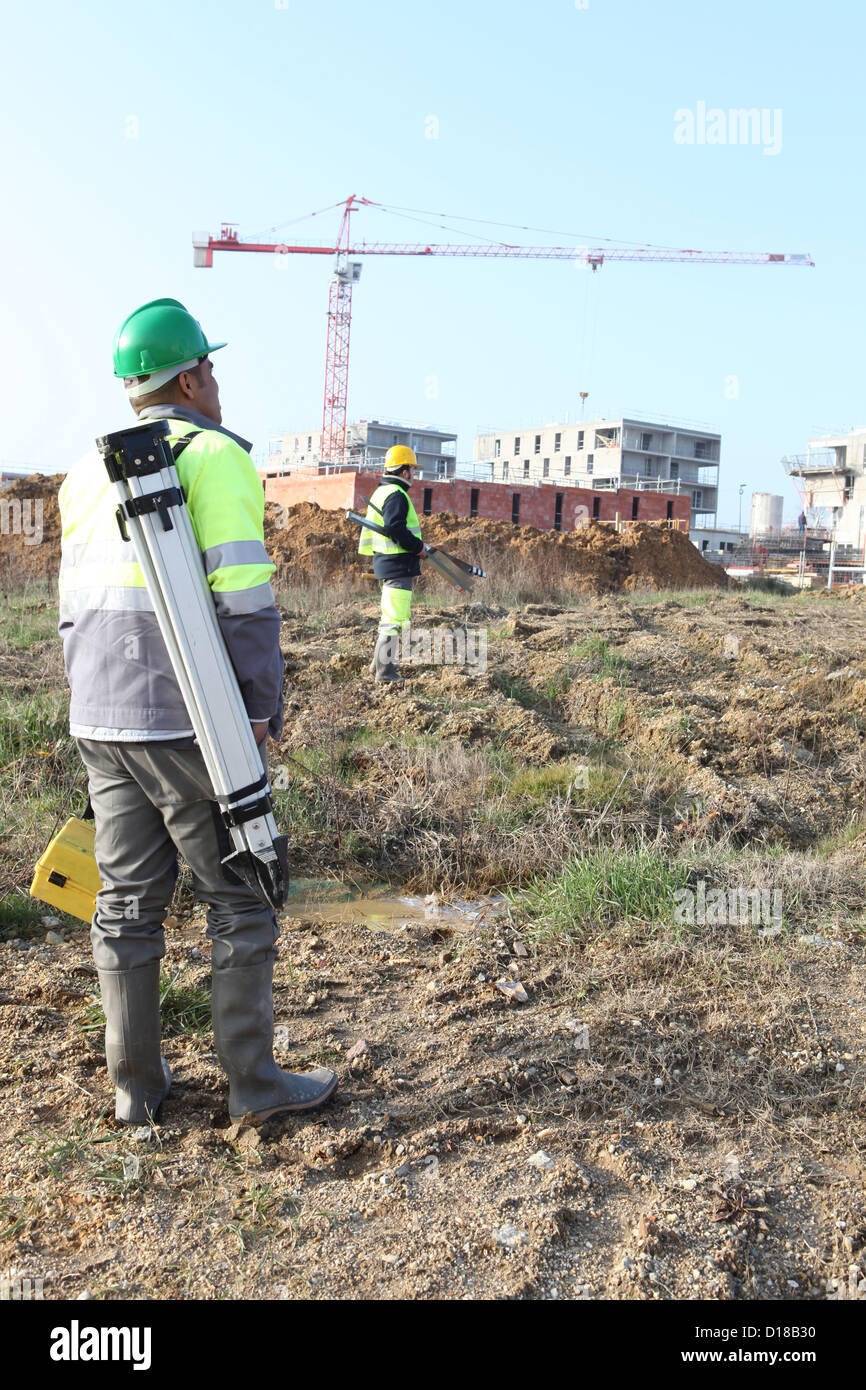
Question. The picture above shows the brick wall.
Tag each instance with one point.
(340, 491)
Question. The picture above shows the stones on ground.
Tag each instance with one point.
(513, 990)
(510, 1237)
(519, 948)
(542, 1161)
(357, 1049)
(53, 938)
(143, 1134)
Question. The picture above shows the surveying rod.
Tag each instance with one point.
(436, 556)
(152, 512)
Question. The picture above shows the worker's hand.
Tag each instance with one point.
(260, 729)
(425, 550)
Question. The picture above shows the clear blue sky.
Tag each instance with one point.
(549, 116)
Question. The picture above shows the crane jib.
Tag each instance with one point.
(334, 415)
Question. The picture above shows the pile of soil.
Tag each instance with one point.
(306, 541)
(309, 543)
(31, 524)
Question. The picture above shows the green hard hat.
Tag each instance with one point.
(159, 334)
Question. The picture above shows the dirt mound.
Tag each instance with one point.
(30, 524)
(305, 541)
(308, 543)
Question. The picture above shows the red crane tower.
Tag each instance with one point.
(347, 271)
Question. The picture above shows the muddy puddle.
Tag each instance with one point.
(380, 909)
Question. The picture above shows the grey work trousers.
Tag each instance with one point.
(149, 803)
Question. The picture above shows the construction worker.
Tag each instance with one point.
(149, 789)
(396, 556)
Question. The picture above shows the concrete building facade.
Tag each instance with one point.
(367, 443)
(602, 454)
(831, 476)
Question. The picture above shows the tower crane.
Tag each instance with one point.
(347, 271)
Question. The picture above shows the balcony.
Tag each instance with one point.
(816, 461)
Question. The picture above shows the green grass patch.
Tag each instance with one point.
(184, 1007)
(614, 718)
(601, 658)
(33, 725)
(609, 887)
(56, 1155)
(694, 598)
(515, 689)
(20, 916)
(28, 616)
(541, 783)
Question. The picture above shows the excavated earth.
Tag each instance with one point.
(666, 1116)
(308, 544)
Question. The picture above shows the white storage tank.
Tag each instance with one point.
(766, 513)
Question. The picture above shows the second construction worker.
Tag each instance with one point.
(396, 556)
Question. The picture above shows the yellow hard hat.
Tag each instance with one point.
(400, 456)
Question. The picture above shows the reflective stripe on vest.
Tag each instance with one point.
(119, 669)
(225, 501)
(371, 543)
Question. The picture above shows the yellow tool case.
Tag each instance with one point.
(66, 875)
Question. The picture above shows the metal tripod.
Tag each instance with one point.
(152, 512)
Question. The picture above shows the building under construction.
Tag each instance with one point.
(637, 454)
(546, 507)
(828, 546)
(831, 480)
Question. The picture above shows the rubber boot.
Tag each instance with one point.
(130, 999)
(242, 1009)
(383, 665)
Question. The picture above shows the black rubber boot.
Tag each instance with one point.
(242, 1008)
(130, 999)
